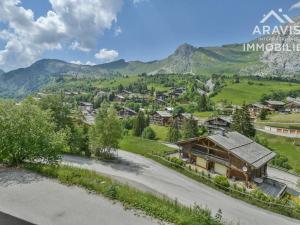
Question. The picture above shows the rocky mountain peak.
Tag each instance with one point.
(185, 50)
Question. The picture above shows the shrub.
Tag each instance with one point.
(281, 161)
(177, 161)
(149, 133)
(222, 182)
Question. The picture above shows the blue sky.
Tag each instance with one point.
(153, 29)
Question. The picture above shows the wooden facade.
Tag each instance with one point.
(161, 118)
(126, 112)
(217, 124)
(215, 154)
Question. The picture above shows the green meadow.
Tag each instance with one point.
(250, 91)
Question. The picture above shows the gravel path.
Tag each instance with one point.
(149, 175)
(45, 202)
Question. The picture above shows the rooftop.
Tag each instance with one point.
(245, 148)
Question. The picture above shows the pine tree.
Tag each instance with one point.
(190, 128)
(242, 122)
(174, 132)
(139, 124)
(202, 103)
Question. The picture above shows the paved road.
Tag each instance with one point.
(151, 176)
(45, 202)
(289, 179)
(6, 219)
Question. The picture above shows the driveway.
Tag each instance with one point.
(289, 179)
(45, 202)
(148, 175)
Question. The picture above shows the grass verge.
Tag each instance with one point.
(285, 146)
(163, 209)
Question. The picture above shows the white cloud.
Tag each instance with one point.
(76, 46)
(118, 31)
(138, 1)
(106, 55)
(295, 6)
(28, 38)
(78, 62)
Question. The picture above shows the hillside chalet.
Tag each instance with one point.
(126, 112)
(162, 118)
(276, 105)
(232, 155)
(256, 108)
(86, 106)
(217, 124)
(185, 117)
(293, 105)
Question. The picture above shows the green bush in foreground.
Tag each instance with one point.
(159, 208)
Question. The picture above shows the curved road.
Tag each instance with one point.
(148, 175)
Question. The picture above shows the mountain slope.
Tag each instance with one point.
(20, 82)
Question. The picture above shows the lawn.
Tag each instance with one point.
(285, 118)
(245, 92)
(160, 131)
(284, 146)
(143, 146)
(204, 115)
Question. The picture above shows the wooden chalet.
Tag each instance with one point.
(275, 105)
(217, 124)
(162, 118)
(293, 105)
(86, 106)
(119, 98)
(184, 117)
(232, 155)
(126, 112)
(256, 108)
(175, 92)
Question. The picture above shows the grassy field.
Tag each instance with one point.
(203, 115)
(284, 118)
(244, 92)
(160, 131)
(143, 146)
(284, 146)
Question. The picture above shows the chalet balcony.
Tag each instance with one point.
(210, 157)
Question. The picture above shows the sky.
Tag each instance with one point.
(98, 31)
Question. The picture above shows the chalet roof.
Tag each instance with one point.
(85, 104)
(129, 110)
(279, 103)
(228, 119)
(120, 96)
(164, 113)
(189, 115)
(258, 105)
(243, 147)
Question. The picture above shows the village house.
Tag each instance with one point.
(161, 96)
(275, 105)
(232, 155)
(86, 106)
(184, 117)
(160, 102)
(293, 105)
(218, 124)
(256, 108)
(126, 112)
(175, 92)
(162, 118)
(119, 98)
